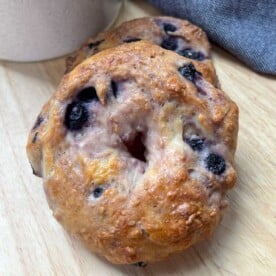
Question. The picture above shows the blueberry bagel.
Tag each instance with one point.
(136, 153)
(170, 33)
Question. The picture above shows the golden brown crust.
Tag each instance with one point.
(148, 209)
(151, 29)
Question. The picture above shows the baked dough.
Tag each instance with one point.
(136, 152)
(170, 33)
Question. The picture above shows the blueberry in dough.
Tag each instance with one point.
(76, 116)
(189, 72)
(168, 27)
(131, 39)
(98, 192)
(170, 43)
(215, 163)
(189, 53)
(140, 264)
(114, 88)
(196, 144)
(88, 94)
(35, 137)
(95, 44)
(38, 122)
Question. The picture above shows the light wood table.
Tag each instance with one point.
(33, 243)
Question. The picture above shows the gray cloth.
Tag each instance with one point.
(245, 28)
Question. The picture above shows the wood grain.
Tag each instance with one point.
(33, 243)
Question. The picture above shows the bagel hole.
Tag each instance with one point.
(136, 147)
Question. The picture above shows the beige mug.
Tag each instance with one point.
(33, 30)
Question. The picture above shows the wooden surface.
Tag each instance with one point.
(33, 243)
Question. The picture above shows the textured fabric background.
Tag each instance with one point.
(246, 28)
